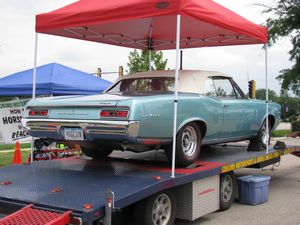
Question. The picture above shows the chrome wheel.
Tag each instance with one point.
(189, 141)
(188, 145)
(161, 210)
(226, 189)
(265, 137)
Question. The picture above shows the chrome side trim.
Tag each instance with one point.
(226, 140)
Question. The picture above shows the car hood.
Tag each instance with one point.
(78, 100)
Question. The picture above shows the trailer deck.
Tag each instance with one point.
(79, 184)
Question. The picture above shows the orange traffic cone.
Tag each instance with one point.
(17, 154)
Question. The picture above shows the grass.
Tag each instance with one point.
(12, 146)
(6, 158)
(280, 133)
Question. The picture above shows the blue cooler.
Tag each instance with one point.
(253, 189)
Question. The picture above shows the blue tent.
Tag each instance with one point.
(52, 79)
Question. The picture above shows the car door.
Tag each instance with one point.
(233, 110)
(213, 112)
(252, 116)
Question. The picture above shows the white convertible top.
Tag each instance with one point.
(191, 81)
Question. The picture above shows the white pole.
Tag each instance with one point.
(150, 46)
(34, 86)
(31, 149)
(176, 94)
(267, 98)
(150, 59)
(34, 67)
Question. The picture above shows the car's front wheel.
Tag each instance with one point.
(263, 135)
(97, 153)
(188, 145)
(262, 138)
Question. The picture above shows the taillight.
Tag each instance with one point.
(114, 113)
(40, 113)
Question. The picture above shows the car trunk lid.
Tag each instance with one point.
(76, 107)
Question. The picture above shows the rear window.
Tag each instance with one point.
(144, 85)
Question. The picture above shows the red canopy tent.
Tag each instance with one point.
(153, 25)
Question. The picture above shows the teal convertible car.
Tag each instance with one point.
(136, 114)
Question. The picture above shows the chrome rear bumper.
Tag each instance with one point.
(93, 129)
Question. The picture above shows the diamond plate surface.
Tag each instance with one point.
(78, 181)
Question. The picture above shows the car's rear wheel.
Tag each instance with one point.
(188, 145)
(97, 153)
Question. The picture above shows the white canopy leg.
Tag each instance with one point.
(150, 46)
(34, 67)
(267, 99)
(34, 86)
(150, 59)
(176, 93)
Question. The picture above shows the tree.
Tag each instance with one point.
(289, 106)
(6, 99)
(139, 61)
(285, 22)
(261, 94)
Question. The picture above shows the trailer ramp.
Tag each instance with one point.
(32, 216)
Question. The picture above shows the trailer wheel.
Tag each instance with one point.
(158, 209)
(227, 190)
(188, 145)
(96, 153)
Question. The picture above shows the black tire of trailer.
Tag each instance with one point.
(121, 217)
(96, 153)
(227, 187)
(144, 210)
(186, 133)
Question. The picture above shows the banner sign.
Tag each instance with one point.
(10, 120)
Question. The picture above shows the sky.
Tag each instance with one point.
(17, 22)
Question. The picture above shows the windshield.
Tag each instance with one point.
(144, 85)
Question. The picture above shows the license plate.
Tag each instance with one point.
(73, 134)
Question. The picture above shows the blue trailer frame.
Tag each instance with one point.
(80, 185)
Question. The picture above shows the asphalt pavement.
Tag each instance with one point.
(283, 206)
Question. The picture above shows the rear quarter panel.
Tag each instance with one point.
(156, 114)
